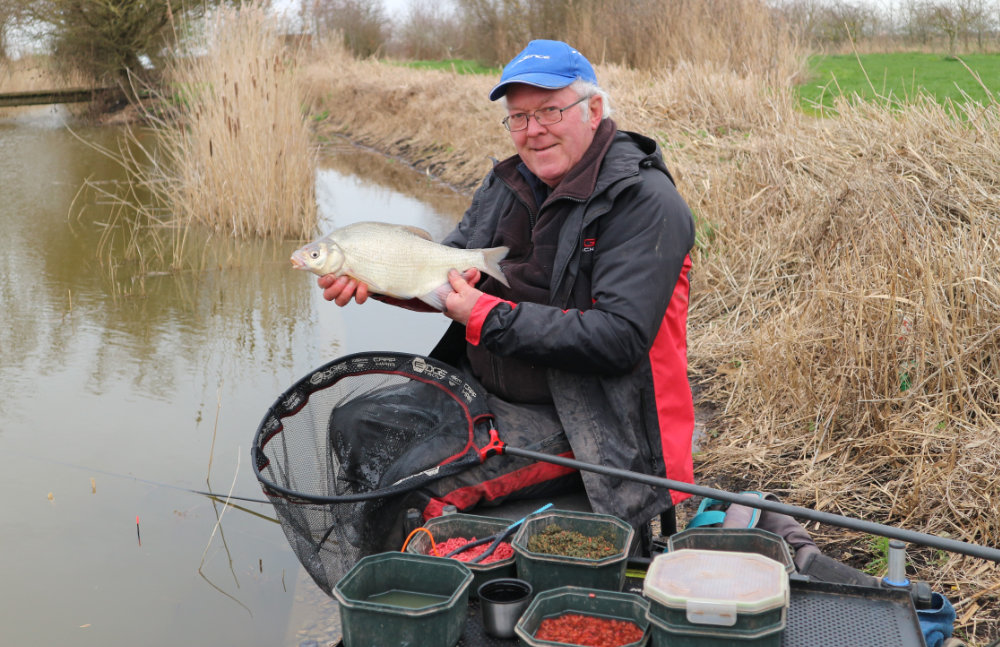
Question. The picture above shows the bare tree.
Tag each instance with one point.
(10, 14)
(429, 30)
(108, 39)
(973, 19)
(363, 24)
(498, 29)
(945, 18)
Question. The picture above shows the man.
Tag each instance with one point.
(585, 353)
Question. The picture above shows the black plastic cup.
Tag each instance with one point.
(502, 602)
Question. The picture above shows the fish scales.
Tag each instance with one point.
(395, 260)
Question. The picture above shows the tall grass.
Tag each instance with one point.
(241, 162)
(37, 72)
(234, 155)
(744, 36)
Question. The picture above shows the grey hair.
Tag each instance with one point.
(588, 89)
(583, 89)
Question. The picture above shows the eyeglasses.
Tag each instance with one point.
(544, 116)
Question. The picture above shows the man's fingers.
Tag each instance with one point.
(458, 282)
(471, 276)
(332, 286)
(347, 292)
(361, 293)
(341, 289)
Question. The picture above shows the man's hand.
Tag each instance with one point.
(459, 304)
(340, 289)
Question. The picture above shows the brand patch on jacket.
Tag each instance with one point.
(589, 244)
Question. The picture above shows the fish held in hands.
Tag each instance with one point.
(395, 260)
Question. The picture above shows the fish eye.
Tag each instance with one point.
(314, 254)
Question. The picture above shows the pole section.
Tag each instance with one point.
(911, 536)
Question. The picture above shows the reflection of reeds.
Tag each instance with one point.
(231, 160)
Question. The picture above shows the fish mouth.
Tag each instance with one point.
(298, 263)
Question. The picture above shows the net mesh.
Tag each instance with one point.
(347, 449)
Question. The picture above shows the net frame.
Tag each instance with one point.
(331, 522)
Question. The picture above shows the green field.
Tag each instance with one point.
(457, 65)
(901, 76)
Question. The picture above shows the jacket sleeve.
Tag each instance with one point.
(642, 243)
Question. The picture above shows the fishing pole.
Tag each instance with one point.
(212, 495)
(911, 536)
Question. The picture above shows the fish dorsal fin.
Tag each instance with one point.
(417, 231)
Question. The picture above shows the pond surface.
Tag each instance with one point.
(116, 409)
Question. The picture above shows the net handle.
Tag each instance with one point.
(493, 448)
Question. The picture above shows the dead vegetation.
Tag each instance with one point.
(846, 304)
(224, 157)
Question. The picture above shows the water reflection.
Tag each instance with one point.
(157, 394)
(395, 195)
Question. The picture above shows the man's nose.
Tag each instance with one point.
(534, 127)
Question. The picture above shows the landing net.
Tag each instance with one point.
(348, 448)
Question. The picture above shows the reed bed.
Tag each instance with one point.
(233, 154)
(243, 128)
(845, 301)
(226, 159)
(847, 324)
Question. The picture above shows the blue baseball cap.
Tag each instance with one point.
(550, 64)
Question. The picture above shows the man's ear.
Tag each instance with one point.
(596, 105)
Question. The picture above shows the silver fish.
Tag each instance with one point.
(395, 260)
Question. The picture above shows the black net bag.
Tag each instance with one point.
(346, 450)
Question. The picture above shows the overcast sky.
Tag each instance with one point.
(396, 7)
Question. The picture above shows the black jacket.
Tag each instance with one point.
(613, 335)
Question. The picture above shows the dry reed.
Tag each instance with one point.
(242, 163)
(846, 304)
(228, 160)
(36, 73)
(33, 73)
(235, 154)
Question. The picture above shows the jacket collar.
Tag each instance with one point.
(579, 183)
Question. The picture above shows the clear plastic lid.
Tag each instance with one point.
(714, 586)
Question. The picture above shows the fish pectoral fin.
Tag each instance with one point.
(371, 283)
(436, 297)
(423, 233)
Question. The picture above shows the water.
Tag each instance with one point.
(406, 599)
(114, 407)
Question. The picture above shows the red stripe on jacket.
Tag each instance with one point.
(674, 405)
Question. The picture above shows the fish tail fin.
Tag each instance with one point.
(436, 297)
(491, 263)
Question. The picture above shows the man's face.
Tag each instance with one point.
(551, 151)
